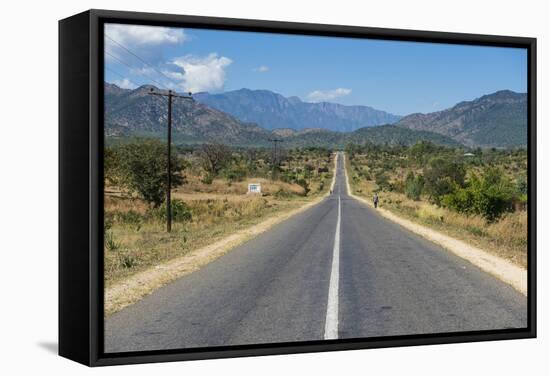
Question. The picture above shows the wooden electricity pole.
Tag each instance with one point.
(171, 94)
(274, 151)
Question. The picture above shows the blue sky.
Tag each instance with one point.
(398, 77)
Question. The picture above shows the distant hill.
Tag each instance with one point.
(272, 110)
(136, 113)
(384, 134)
(494, 120)
(130, 113)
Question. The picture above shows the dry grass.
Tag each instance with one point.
(506, 238)
(136, 240)
(221, 187)
(144, 244)
(502, 268)
(145, 257)
(135, 286)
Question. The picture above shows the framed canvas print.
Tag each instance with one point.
(236, 187)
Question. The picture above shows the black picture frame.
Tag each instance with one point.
(81, 198)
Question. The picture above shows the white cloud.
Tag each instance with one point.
(143, 71)
(262, 69)
(197, 74)
(133, 35)
(327, 95)
(124, 84)
(147, 42)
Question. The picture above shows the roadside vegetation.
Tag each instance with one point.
(479, 196)
(209, 196)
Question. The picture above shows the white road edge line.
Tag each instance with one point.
(331, 323)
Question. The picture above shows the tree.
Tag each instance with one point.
(110, 167)
(214, 157)
(142, 169)
(522, 185)
(235, 171)
(351, 149)
(422, 149)
(413, 186)
(441, 177)
(489, 195)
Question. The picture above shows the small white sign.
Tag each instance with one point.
(254, 188)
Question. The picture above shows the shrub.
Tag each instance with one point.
(475, 230)
(490, 195)
(383, 182)
(282, 194)
(398, 186)
(234, 173)
(142, 168)
(130, 217)
(422, 148)
(108, 220)
(521, 184)
(127, 261)
(214, 157)
(181, 212)
(288, 177)
(442, 177)
(414, 186)
(110, 242)
(304, 184)
(207, 179)
(461, 201)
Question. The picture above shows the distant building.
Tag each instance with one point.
(469, 155)
(254, 188)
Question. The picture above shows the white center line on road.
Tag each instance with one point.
(331, 323)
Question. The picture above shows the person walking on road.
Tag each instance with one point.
(375, 200)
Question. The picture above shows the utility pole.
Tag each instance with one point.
(274, 151)
(274, 154)
(171, 94)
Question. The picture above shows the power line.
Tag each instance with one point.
(126, 78)
(158, 97)
(122, 76)
(129, 66)
(170, 95)
(161, 99)
(140, 59)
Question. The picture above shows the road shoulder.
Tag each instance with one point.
(137, 286)
(496, 266)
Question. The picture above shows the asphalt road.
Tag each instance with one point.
(303, 280)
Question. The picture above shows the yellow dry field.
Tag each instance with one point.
(506, 238)
(140, 256)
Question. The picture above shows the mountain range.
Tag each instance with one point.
(382, 134)
(492, 120)
(498, 119)
(136, 113)
(272, 111)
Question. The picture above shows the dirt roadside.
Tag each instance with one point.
(137, 286)
(502, 269)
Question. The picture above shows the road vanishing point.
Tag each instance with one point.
(336, 270)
